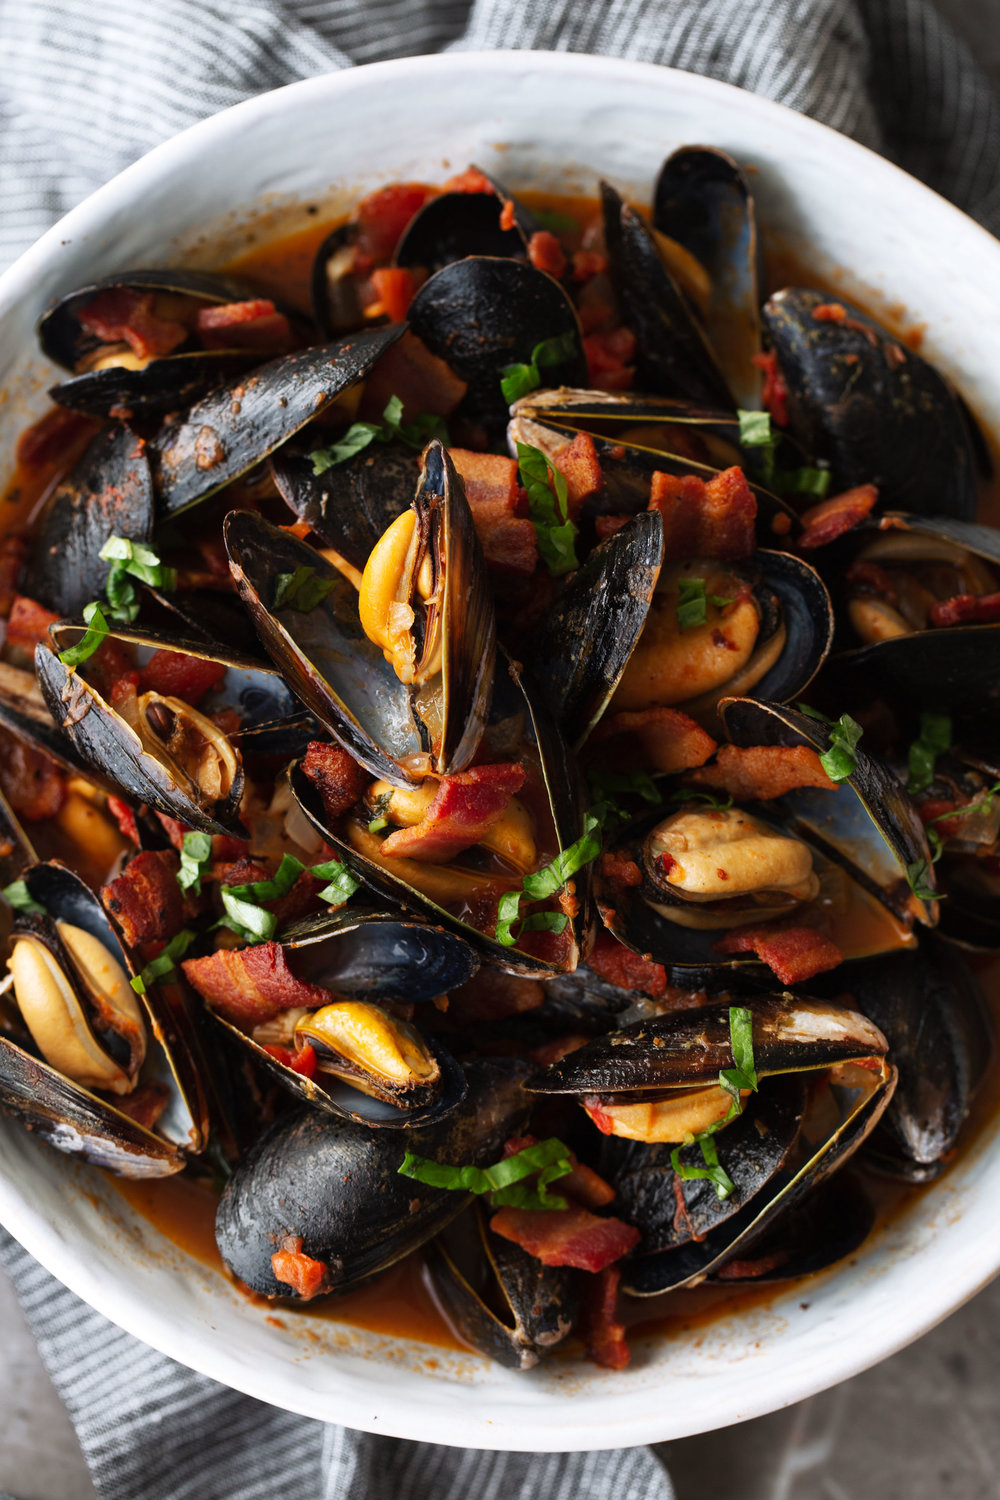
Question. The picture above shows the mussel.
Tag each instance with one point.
(454, 225)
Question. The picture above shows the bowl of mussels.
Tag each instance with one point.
(498, 707)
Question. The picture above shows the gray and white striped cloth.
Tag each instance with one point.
(87, 86)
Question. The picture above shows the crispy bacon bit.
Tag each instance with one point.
(28, 624)
(469, 181)
(558, 1048)
(393, 287)
(53, 438)
(763, 771)
(122, 314)
(582, 1184)
(125, 818)
(145, 1104)
(175, 675)
(508, 539)
(338, 778)
(624, 871)
(145, 899)
(966, 609)
(607, 525)
(705, 519)
(579, 465)
(381, 219)
(251, 985)
(746, 1270)
(33, 785)
(867, 577)
(306, 1277)
(464, 809)
(588, 263)
(618, 965)
(566, 1236)
(603, 1334)
(303, 1061)
(775, 392)
(652, 739)
(610, 353)
(792, 953)
(245, 325)
(492, 995)
(546, 253)
(422, 381)
(830, 312)
(507, 219)
(830, 519)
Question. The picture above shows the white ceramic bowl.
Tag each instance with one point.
(553, 121)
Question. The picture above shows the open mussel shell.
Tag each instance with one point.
(933, 1013)
(511, 706)
(869, 406)
(485, 312)
(583, 645)
(337, 1186)
(108, 492)
(497, 1297)
(341, 676)
(451, 226)
(333, 290)
(69, 1115)
(351, 505)
(241, 423)
(673, 355)
(826, 1226)
(702, 200)
(23, 711)
(151, 770)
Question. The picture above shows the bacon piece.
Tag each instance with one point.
(618, 965)
(125, 818)
(966, 609)
(13, 556)
(507, 216)
(507, 537)
(464, 809)
(775, 392)
(603, 1335)
(177, 675)
(469, 181)
(492, 995)
(652, 739)
(422, 381)
(34, 786)
(546, 253)
(338, 778)
(566, 1236)
(579, 465)
(610, 352)
(393, 287)
(299, 901)
(381, 219)
(145, 1104)
(588, 263)
(251, 985)
(606, 526)
(792, 953)
(145, 899)
(624, 871)
(582, 1184)
(28, 624)
(558, 1048)
(53, 438)
(831, 518)
(713, 518)
(255, 325)
(763, 771)
(122, 314)
(868, 578)
(306, 1277)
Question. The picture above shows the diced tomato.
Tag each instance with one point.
(469, 181)
(176, 675)
(33, 785)
(830, 312)
(603, 1334)
(507, 219)
(125, 818)
(28, 624)
(606, 526)
(618, 965)
(422, 381)
(383, 216)
(121, 314)
(303, 1061)
(306, 1277)
(609, 359)
(614, 866)
(53, 437)
(245, 325)
(588, 263)
(775, 392)
(546, 253)
(393, 286)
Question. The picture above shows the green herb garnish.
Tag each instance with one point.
(196, 851)
(166, 963)
(743, 1076)
(248, 920)
(504, 1181)
(756, 432)
(360, 435)
(693, 602)
(246, 917)
(301, 590)
(97, 629)
(132, 560)
(556, 223)
(547, 504)
(839, 760)
(546, 882)
(919, 878)
(978, 803)
(696, 794)
(517, 380)
(380, 813)
(342, 882)
(933, 740)
(21, 899)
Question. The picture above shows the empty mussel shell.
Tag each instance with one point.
(351, 505)
(453, 225)
(826, 1226)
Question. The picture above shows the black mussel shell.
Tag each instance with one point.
(485, 312)
(527, 1308)
(109, 492)
(871, 407)
(673, 355)
(377, 955)
(702, 199)
(336, 306)
(828, 1225)
(24, 713)
(352, 504)
(337, 1187)
(235, 427)
(453, 225)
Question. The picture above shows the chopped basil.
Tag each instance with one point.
(504, 1181)
(605, 786)
(166, 963)
(380, 813)
(247, 920)
(755, 429)
(276, 886)
(132, 560)
(920, 880)
(97, 629)
(756, 432)
(342, 882)
(713, 1170)
(517, 380)
(693, 602)
(744, 1074)
(804, 481)
(933, 740)
(300, 590)
(733, 1080)
(546, 882)
(977, 804)
(196, 851)
(556, 223)
(21, 899)
(360, 435)
(839, 760)
(696, 794)
(547, 504)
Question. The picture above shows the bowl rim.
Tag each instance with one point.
(43, 1239)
